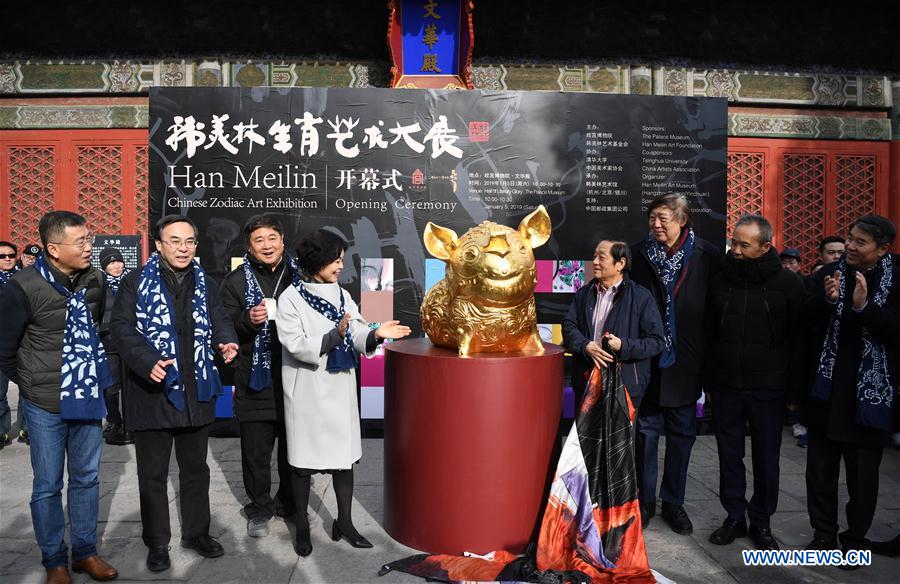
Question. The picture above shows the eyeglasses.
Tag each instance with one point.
(7, 256)
(80, 244)
(177, 243)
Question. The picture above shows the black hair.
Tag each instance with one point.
(53, 225)
(9, 244)
(618, 250)
(830, 239)
(882, 229)
(167, 220)
(262, 220)
(675, 202)
(318, 249)
(765, 228)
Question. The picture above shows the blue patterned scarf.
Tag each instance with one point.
(154, 322)
(669, 270)
(85, 373)
(5, 276)
(343, 356)
(114, 281)
(261, 368)
(874, 389)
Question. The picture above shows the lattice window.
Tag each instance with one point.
(746, 174)
(804, 203)
(99, 187)
(856, 188)
(31, 188)
(141, 193)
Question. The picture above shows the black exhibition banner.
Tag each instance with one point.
(375, 165)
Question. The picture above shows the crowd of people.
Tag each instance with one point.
(76, 334)
(144, 349)
(760, 340)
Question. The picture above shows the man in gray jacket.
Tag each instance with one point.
(54, 305)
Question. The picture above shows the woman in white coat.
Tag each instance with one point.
(321, 332)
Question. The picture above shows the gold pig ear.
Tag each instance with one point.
(439, 241)
(536, 227)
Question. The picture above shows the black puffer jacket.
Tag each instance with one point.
(754, 316)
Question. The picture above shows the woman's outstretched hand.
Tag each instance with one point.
(392, 329)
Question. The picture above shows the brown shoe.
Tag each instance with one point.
(97, 568)
(58, 575)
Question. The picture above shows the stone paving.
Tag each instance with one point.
(683, 559)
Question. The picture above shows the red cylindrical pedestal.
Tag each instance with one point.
(467, 445)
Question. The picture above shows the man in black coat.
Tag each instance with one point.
(260, 409)
(676, 267)
(612, 306)
(754, 360)
(856, 303)
(150, 397)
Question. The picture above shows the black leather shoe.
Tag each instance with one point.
(117, 435)
(355, 539)
(158, 558)
(729, 531)
(762, 538)
(677, 518)
(204, 545)
(648, 510)
(890, 548)
(820, 543)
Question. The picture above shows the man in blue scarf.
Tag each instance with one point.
(249, 295)
(113, 265)
(167, 325)
(855, 302)
(676, 266)
(50, 346)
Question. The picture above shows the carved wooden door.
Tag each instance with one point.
(101, 174)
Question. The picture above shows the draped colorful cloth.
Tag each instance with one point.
(591, 530)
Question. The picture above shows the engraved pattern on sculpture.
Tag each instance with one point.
(486, 301)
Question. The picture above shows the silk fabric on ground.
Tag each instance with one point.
(591, 530)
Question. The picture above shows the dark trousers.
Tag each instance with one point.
(764, 410)
(153, 448)
(112, 394)
(823, 468)
(679, 425)
(257, 442)
(113, 410)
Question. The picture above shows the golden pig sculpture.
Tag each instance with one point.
(485, 304)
